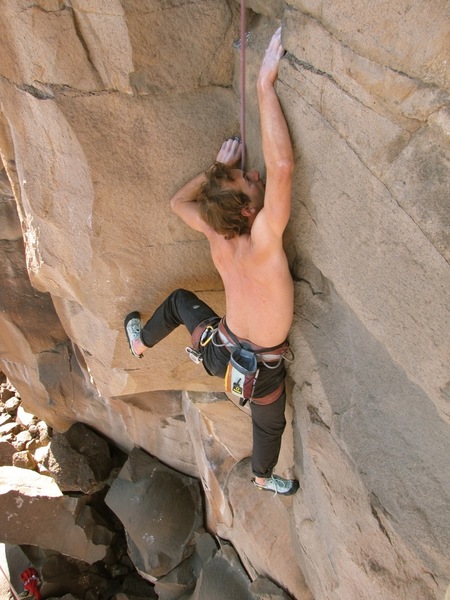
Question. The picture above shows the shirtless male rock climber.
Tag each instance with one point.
(244, 221)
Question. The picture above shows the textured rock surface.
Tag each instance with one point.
(79, 460)
(166, 513)
(104, 112)
(34, 508)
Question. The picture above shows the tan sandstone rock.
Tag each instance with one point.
(105, 110)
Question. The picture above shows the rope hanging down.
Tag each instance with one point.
(11, 587)
(243, 24)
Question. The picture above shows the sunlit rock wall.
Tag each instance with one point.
(106, 109)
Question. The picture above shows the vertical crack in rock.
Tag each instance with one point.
(316, 418)
(308, 212)
(83, 43)
(376, 507)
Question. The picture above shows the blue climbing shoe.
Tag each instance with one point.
(132, 324)
(278, 485)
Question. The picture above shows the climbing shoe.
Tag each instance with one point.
(278, 485)
(132, 326)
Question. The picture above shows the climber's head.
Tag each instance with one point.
(230, 199)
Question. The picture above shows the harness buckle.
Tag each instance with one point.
(194, 355)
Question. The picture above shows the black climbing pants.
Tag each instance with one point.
(185, 308)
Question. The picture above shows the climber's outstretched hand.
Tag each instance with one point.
(230, 152)
(269, 67)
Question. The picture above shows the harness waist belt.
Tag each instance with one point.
(263, 354)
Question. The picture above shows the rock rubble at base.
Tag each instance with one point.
(100, 525)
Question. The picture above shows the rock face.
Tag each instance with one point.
(157, 529)
(78, 460)
(167, 511)
(104, 112)
(33, 507)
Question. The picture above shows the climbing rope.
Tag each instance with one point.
(11, 587)
(242, 55)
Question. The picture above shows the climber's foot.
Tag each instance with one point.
(278, 485)
(132, 324)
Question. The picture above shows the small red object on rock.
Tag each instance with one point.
(30, 581)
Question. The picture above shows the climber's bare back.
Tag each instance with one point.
(258, 286)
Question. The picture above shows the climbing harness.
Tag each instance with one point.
(242, 369)
(30, 581)
(201, 337)
(269, 357)
(242, 74)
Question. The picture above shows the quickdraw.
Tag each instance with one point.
(201, 338)
(207, 335)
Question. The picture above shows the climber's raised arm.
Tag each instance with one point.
(276, 142)
(184, 203)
